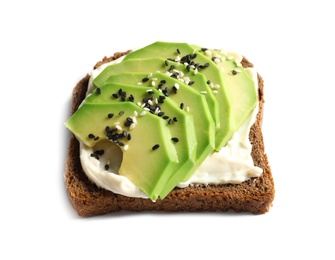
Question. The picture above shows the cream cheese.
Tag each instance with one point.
(232, 164)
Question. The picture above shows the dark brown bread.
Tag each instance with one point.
(255, 195)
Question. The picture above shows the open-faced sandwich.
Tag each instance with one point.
(168, 127)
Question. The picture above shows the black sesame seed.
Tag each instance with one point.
(121, 113)
(234, 72)
(99, 91)
(120, 91)
(129, 136)
(204, 49)
(106, 167)
(175, 139)
(194, 55)
(131, 98)
(170, 121)
(127, 123)
(174, 89)
(115, 95)
(178, 51)
(120, 144)
(91, 136)
(99, 152)
(175, 119)
(166, 63)
(145, 79)
(155, 147)
(96, 138)
(110, 115)
(190, 83)
(95, 155)
(206, 65)
(188, 67)
(165, 117)
(208, 82)
(181, 105)
(163, 81)
(171, 67)
(161, 113)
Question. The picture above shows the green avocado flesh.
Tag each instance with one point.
(178, 102)
(192, 101)
(152, 65)
(240, 84)
(145, 167)
(181, 94)
(204, 65)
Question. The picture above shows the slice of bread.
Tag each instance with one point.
(255, 195)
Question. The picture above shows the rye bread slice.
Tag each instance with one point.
(255, 195)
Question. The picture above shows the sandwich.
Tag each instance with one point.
(168, 127)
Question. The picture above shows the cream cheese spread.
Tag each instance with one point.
(232, 164)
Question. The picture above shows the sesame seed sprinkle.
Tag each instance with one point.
(143, 113)
(175, 139)
(191, 82)
(155, 147)
(145, 79)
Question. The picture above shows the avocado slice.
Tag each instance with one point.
(124, 66)
(239, 82)
(149, 150)
(197, 63)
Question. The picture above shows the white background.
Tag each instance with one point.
(47, 46)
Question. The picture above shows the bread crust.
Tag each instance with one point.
(255, 195)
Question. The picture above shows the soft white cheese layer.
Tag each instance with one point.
(232, 164)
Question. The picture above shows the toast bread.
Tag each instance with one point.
(255, 195)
